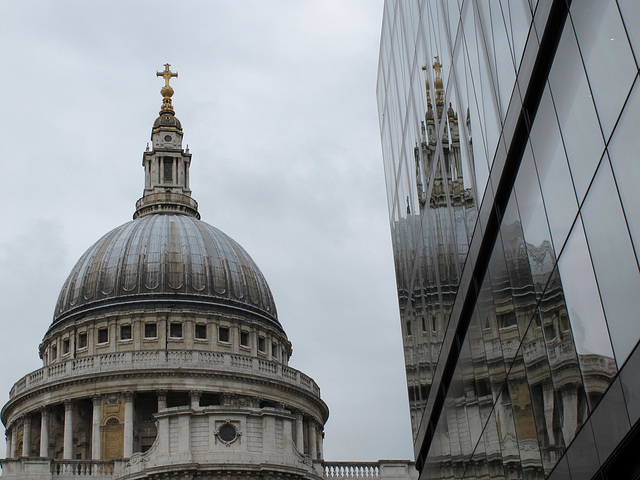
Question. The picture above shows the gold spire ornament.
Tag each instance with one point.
(167, 91)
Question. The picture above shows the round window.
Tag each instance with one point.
(167, 138)
(227, 433)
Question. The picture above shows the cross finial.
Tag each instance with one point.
(167, 91)
(167, 74)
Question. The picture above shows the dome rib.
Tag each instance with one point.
(165, 257)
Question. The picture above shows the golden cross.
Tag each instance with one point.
(167, 74)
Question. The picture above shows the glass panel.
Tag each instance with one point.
(561, 472)
(607, 56)
(507, 437)
(631, 385)
(586, 316)
(614, 262)
(582, 454)
(624, 152)
(523, 420)
(610, 421)
(534, 223)
(576, 114)
(517, 261)
(553, 171)
(487, 448)
(630, 10)
(569, 402)
(544, 401)
(500, 57)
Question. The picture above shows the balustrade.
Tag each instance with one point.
(86, 468)
(113, 362)
(346, 470)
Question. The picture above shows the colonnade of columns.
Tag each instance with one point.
(306, 431)
(68, 430)
(314, 446)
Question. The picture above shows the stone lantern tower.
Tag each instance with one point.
(165, 358)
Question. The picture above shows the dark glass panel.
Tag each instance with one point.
(561, 472)
(582, 454)
(631, 385)
(610, 421)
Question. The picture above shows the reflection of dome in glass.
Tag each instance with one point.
(164, 257)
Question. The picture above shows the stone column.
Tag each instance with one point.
(67, 452)
(7, 437)
(128, 424)
(96, 437)
(162, 399)
(14, 440)
(320, 445)
(44, 432)
(195, 395)
(299, 433)
(26, 436)
(313, 439)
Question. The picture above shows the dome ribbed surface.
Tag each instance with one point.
(166, 257)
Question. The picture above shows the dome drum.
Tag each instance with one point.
(166, 202)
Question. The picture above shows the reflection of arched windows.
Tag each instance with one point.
(112, 439)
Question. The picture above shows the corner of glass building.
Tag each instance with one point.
(509, 158)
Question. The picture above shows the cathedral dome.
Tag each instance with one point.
(166, 258)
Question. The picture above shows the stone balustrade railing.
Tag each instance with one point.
(380, 470)
(344, 470)
(105, 469)
(39, 468)
(162, 360)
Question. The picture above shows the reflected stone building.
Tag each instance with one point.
(515, 231)
(166, 358)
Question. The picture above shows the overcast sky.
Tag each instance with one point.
(277, 101)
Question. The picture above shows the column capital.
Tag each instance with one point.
(96, 398)
(44, 411)
(128, 396)
(68, 405)
(162, 394)
(195, 393)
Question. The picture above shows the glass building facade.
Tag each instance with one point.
(511, 145)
